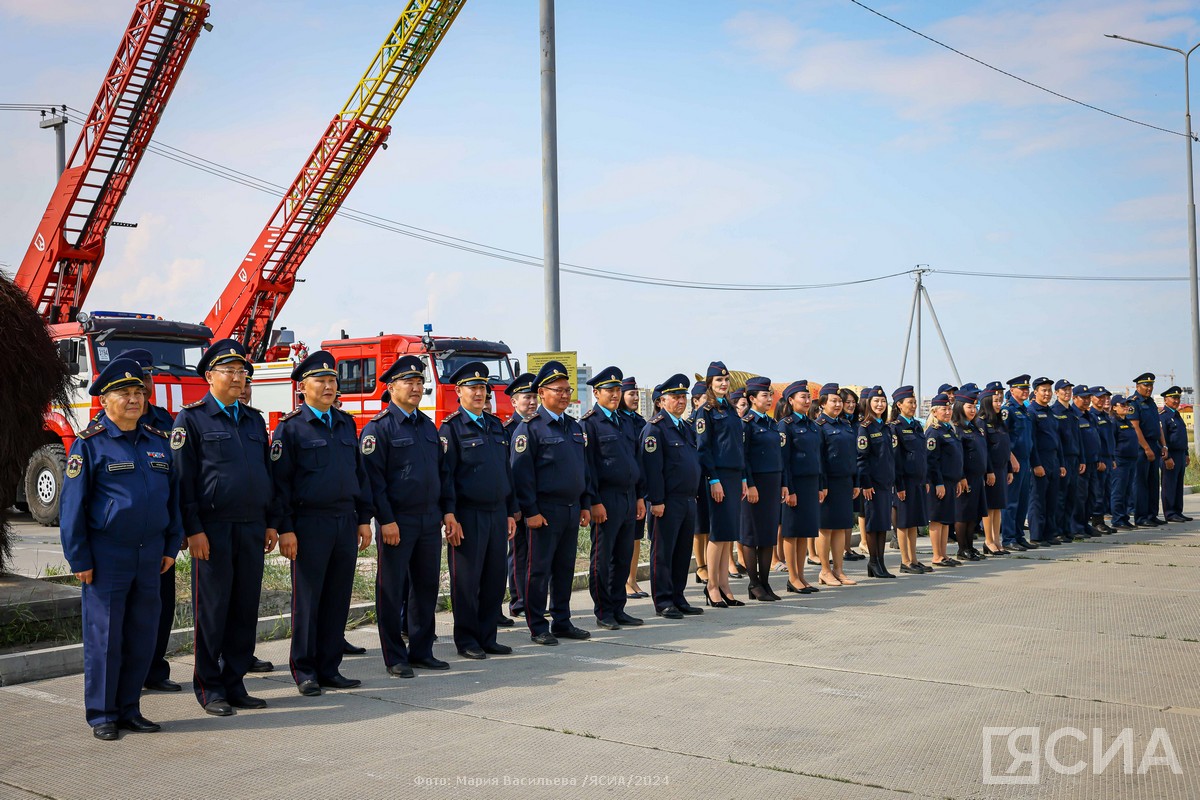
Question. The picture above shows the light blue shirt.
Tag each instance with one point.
(478, 419)
(321, 415)
(674, 418)
(233, 405)
(607, 413)
(552, 415)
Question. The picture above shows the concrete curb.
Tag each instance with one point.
(54, 662)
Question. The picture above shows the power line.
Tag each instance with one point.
(1037, 277)
(1059, 95)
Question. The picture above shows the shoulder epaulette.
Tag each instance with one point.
(748, 417)
(452, 415)
(155, 430)
(590, 411)
(196, 404)
(291, 414)
(657, 418)
(252, 408)
(91, 430)
(487, 413)
(789, 419)
(532, 417)
(381, 414)
(822, 420)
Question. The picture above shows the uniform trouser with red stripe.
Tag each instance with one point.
(518, 566)
(671, 551)
(551, 567)
(225, 593)
(612, 550)
(407, 579)
(477, 575)
(322, 580)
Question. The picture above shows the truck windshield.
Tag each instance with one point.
(171, 356)
(499, 370)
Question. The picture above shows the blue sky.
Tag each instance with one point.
(754, 142)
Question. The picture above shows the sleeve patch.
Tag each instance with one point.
(782, 439)
(521, 443)
(931, 443)
(276, 449)
(74, 465)
(368, 444)
(862, 443)
(651, 444)
(1004, 414)
(445, 444)
(700, 425)
(178, 438)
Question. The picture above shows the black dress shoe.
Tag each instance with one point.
(810, 589)
(339, 682)
(573, 632)
(1124, 527)
(350, 650)
(247, 701)
(812, 563)
(1176, 518)
(218, 708)
(771, 592)
(1030, 544)
(1017, 546)
(1184, 518)
(166, 685)
(913, 570)
(504, 622)
(546, 638)
(852, 555)
(474, 653)
(608, 624)
(429, 663)
(106, 731)
(670, 612)
(967, 555)
(497, 649)
(626, 619)
(400, 671)
(307, 688)
(139, 724)
(689, 610)
(258, 665)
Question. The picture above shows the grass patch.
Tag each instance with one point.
(21, 629)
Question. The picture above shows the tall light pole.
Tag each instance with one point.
(1192, 278)
(550, 179)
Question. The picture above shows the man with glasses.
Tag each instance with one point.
(225, 490)
(550, 476)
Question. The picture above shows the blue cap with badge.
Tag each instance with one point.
(221, 352)
(903, 393)
(1061, 384)
(676, 384)
(794, 387)
(607, 378)
(629, 384)
(551, 371)
(119, 373)
(318, 364)
(700, 388)
(473, 373)
(716, 369)
(404, 368)
(522, 384)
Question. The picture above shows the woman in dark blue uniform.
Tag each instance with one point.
(632, 423)
(852, 412)
(876, 477)
(971, 506)
(723, 466)
(1001, 465)
(910, 478)
(700, 542)
(946, 482)
(764, 482)
(839, 462)
(801, 481)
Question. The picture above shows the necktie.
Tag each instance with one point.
(327, 418)
(232, 412)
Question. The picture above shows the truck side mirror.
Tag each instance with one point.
(68, 351)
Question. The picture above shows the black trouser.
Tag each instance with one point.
(518, 566)
(160, 668)
(1068, 489)
(1172, 484)
(1145, 485)
(551, 566)
(407, 579)
(477, 567)
(671, 551)
(322, 580)
(612, 550)
(225, 594)
(1079, 510)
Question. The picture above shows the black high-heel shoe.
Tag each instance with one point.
(760, 593)
(729, 601)
(708, 601)
(702, 581)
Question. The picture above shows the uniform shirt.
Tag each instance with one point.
(974, 445)
(611, 454)
(999, 445)
(839, 453)
(1143, 411)
(1089, 436)
(1104, 428)
(945, 452)
(475, 469)
(1047, 448)
(119, 494)
(1017, 421)
(1125, 441)
(801, 449)
(1068, 434)
(401, 455)
(720, 439)
(669, 459)
(317, 469)
(878, 449)
(764, 445)
(911, 458)
(549, 463)
(1174, 429)
(223, 465)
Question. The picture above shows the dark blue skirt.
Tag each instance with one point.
(760, 521)
(725, 517)
(996, 497)
(910, 512)
(944, 510)
(803, 521)
(971, 505)
(877, 512)
(837, 512)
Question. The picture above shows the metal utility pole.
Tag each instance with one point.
(58, 121)
(914, 321)
(1191, 218)
(550, 180)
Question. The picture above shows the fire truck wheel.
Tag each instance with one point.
(44, 481)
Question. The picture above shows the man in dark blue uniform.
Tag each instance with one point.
(549, 464)
(225, 492)
(1144, 418)
(402, 458)
(159, 677)
(671, 469)
(1068, 437)
(322, 510)
(1098, 488)
(1175, 435)
(1089, 447)
(524, 402)
(120, 531)
(1020, 434)
(616, 492)
(479, 511)
(632, 423)
(1125, 452)
(1048, 471)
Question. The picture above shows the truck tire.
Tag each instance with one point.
(44, 482)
